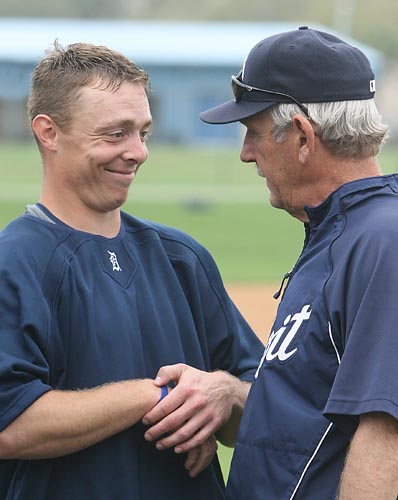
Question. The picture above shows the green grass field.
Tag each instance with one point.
(208, 193)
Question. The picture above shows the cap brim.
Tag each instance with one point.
(233, 111)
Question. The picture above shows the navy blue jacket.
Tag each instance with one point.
(332, 353)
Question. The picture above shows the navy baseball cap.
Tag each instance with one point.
(300, 66)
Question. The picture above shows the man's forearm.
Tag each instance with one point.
(371, 469)
(228, 433)
(63, 422)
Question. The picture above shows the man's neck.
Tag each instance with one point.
(330, 177)
(104, 224)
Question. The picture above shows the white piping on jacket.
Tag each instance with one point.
(327, 430)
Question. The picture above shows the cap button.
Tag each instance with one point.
(303, 28)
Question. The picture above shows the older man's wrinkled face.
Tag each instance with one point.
(275, 161)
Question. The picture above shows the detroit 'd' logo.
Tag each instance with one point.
(278, 346)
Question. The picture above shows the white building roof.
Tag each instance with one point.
(147, 42)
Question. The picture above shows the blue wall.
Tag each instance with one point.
(179, 94)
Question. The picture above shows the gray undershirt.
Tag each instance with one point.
(37, 212)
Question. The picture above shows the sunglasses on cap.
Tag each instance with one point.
(239, 88)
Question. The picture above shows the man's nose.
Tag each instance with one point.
(246, 153)
(136, 149)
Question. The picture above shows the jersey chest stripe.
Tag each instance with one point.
(327, 430)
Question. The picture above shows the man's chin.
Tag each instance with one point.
(275, 203)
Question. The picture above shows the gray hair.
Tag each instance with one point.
(348, 129)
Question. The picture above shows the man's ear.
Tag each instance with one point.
(46, 131)
(306, 136)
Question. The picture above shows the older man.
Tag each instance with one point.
(321, 418)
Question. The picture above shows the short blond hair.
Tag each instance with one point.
(62, 72)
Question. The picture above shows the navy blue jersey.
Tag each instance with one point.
(80, 310)
(332, 352)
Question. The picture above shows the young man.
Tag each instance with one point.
(94, 302)
(321, 418)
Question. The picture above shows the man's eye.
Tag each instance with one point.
(119, 134)
(145, 134)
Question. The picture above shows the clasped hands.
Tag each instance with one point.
(200, 403)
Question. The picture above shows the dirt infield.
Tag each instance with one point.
(257, 305)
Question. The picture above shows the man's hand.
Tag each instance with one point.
(200, 458)
(196, 408)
